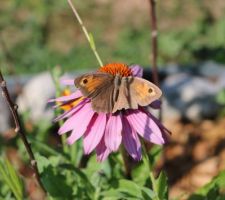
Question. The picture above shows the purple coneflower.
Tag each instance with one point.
(105, 132)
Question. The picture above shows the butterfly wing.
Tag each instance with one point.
(109, 93)
(134, 91)
(99, 87)
(124, 99)
(91, 84)
(103, 101)
(143, 92)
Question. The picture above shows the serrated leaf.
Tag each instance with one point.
(129, 187)
(147, 193)
(85, 180)
(155, 154)
(56, 184)
(94, 167)
(161, 186)
(112, 194)
(51, 176)
(42, 162)
(139, 174)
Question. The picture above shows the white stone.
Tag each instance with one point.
(35, 95)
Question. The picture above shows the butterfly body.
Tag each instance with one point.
(110, 93)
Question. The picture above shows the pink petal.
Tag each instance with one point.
(67, 81)
(94, 133)
(71, 111)
(131, 140)
(102, 151)
(163, 128)
(156, 104)
(137, 70)
(145, 126)
(113, 130)
(78, 122)
(72, 96)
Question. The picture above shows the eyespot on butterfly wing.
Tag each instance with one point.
(143, 91)
(91, 84)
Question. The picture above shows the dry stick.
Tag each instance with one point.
(88, 36)
(154, 37)
(13, 108)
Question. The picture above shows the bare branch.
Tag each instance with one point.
(154, 37)
(154, 42)
(13, 108)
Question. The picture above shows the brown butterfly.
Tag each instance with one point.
(109, 93)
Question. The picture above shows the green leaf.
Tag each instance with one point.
(217, 181)
(9, 175)
(130, 188)
(161, 184)
(127, 189)
(42, 162)
(147, 193)
(155, 154)
(42, 147)
(139, 174)
(82, 176)
(74, 184)
(51, 176)
(94, 167)
(212, 190)
(56, 184)
(14, 177)
(113, 194)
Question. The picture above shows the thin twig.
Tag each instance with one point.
(154, 42)
(90, 39)
(13, 108)
(154, 55)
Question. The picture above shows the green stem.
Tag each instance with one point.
(87, 35)
(126, 164)
(151, 175)
(55, 76)
(64, 144)
(98, 189)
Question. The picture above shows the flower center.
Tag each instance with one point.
(116, 68)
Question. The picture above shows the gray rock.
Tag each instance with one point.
(33, 99)
(190, 96)
(212, 69)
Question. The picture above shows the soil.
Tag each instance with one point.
(195, 154)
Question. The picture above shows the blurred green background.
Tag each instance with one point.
(35, 35)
